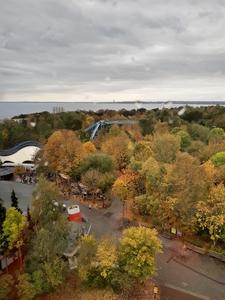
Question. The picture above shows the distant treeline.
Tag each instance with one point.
(39, 126)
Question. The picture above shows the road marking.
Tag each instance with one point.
(186, 292)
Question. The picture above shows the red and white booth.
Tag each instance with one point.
(74, 213)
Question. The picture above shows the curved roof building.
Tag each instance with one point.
(22, 153)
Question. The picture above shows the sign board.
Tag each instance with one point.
(173, 230)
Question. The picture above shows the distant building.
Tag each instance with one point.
(22, 154)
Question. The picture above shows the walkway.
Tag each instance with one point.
(201, 277)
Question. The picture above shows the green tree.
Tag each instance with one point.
(14, 200)
(45, 207)
(2, 214)
(47, 244)
(39, 281)
(185, 139)
(97, 161)
(54, 271)
(216, 135)
(198, 132)
(218, 159)
(137, 250)
(49, 240)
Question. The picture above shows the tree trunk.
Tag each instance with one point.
(20, 258)
(123, 216)
(7, 269)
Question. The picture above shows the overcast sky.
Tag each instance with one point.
(112, 50)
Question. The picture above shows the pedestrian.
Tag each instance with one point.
(89, 206)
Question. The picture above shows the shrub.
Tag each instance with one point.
(99, 161)
(6, 284)
(218, 159)
(145, 205)
(25, 289)
(216, 135)
(185, 139)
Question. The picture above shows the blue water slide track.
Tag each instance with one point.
(93, 129)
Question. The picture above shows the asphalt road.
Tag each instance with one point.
(23, 193)
(180, 281)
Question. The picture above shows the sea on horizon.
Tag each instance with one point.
(10, 109)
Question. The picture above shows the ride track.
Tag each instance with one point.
(103, 123)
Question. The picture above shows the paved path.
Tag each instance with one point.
(23, 193)
(175, 274)
(197, 275)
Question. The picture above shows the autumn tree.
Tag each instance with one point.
(141, 152)
(6, 284)
(152, 173)
(25, 288)
(13, 228)
(89, 148)
(91, 179)
(210, 214)
(106, 257)
(165, 147)
(119, 148)
(19, 170)
(137, 250)
(86, 255)
(120, 190)
(169, 213)
(63, 151)
(96, 261)
(187, 182)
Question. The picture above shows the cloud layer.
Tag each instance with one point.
(112, 49)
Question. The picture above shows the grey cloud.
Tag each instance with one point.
(109, 47)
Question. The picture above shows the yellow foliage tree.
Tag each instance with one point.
(137, 250)
(63, 151)
(89, 148)
(13, 228)
(106, 257)
(210, 214)
(119, 148)
(120, 191)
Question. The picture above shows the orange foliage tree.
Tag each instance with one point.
(125, 186)
(118, 148)
(63, 151)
